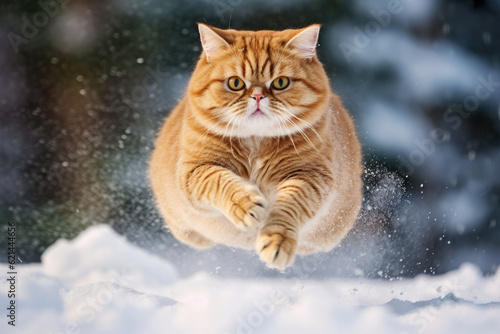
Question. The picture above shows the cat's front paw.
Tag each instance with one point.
(276, 248)
(248, 207)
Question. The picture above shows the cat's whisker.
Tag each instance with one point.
(290, 121)
(227, 126)
(306, 123)
(280, 122)
(233, 118)
(224, 119)
(284, 131)
(245, 121)
(279, 129)
(231, 138)
(303, 134)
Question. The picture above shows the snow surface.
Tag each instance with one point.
(100, 283)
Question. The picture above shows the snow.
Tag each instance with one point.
(100, 283)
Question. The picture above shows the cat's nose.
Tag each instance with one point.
(258, 96)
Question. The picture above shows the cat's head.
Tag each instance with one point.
(258, 83)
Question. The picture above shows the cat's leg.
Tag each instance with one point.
(216, 186)
(335, 226)
(298, 199)
(191, 238)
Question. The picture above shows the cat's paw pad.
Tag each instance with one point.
(249, 207)
(276, 250)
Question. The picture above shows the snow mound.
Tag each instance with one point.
(100, 283)
(100, 254)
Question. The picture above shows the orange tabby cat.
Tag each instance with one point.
(259, 152)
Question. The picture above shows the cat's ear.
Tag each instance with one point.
(305, 41)
(211, 41)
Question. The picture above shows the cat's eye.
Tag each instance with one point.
(280, 83)
(235, 83)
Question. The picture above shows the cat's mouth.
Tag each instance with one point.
(258, 112)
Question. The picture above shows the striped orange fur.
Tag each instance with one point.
(250, 164)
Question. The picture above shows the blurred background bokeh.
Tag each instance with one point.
(86, 84)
